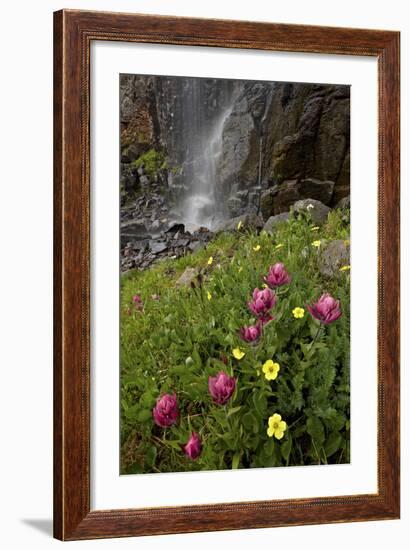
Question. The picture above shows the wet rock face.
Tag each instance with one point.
(283, 132)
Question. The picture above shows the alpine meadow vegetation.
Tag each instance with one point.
(247, 366)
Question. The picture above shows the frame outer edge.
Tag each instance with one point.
(72, 517)
(58, 492)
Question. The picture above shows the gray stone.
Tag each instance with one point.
(158, 247)
(344, 203)
(187, 277)
(273, 221)
(316, 209)
(332, 257)
(248, 221)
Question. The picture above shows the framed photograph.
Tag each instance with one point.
(226, 288)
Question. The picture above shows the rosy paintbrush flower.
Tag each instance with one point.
(326, 309)
(263, 301)
(277, 276)
(251, 334)
(166, 412)
(137, 301)
(193, 447)
(221, 387)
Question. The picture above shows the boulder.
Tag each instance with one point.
(273, 221)
(317, 210)
(332, 257)
(248, 221)
(187, 277)
(344, 203)
(280, 197)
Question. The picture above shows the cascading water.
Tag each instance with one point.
(200, 204)
(201, 150)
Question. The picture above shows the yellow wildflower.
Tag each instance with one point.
(298, 312)
(238, 353)
(209, 295)
(240, 269)
(276, 426)
(257, 247)
(239, 225)
(345, 268)
(270, 369)
(280, 245)
(316, 243)
(210, 260)
(265, 285)
(316, 228)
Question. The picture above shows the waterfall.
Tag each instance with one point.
(201, 139)
(200, 204)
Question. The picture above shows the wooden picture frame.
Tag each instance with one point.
(74, 32)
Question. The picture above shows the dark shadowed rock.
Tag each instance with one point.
(332, 257)
(176, 227)
(273, 221)
(317, 189)
(187, 277)
(344, 203)
(281, 197)
(247, 221)
(316, 209)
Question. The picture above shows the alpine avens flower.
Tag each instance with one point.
(210, 260)
(257, 248)
(270, 369)
(298, 312)
(238, 353)
(263, 301)
(193, 447)
(239, 225)
(277, 276)
(221, 387)
(345, 268)
(165, 412)
(251, 334)
(276, 426)
(326, 309)
(209, 295)
(316, 244)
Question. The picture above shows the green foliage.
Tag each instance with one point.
(152, 161)
(180, 337)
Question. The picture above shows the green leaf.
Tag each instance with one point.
(315, 429)
(144, 415)
(235, 460)
(234, 410)
(150, 456)
(333, 443)
(286, 447)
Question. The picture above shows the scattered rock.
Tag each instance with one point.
(343, 203)
(273, 221)
(158, 247)
(334, 256)
(187, 277)
(316, 209)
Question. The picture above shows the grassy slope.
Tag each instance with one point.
(178, 339)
